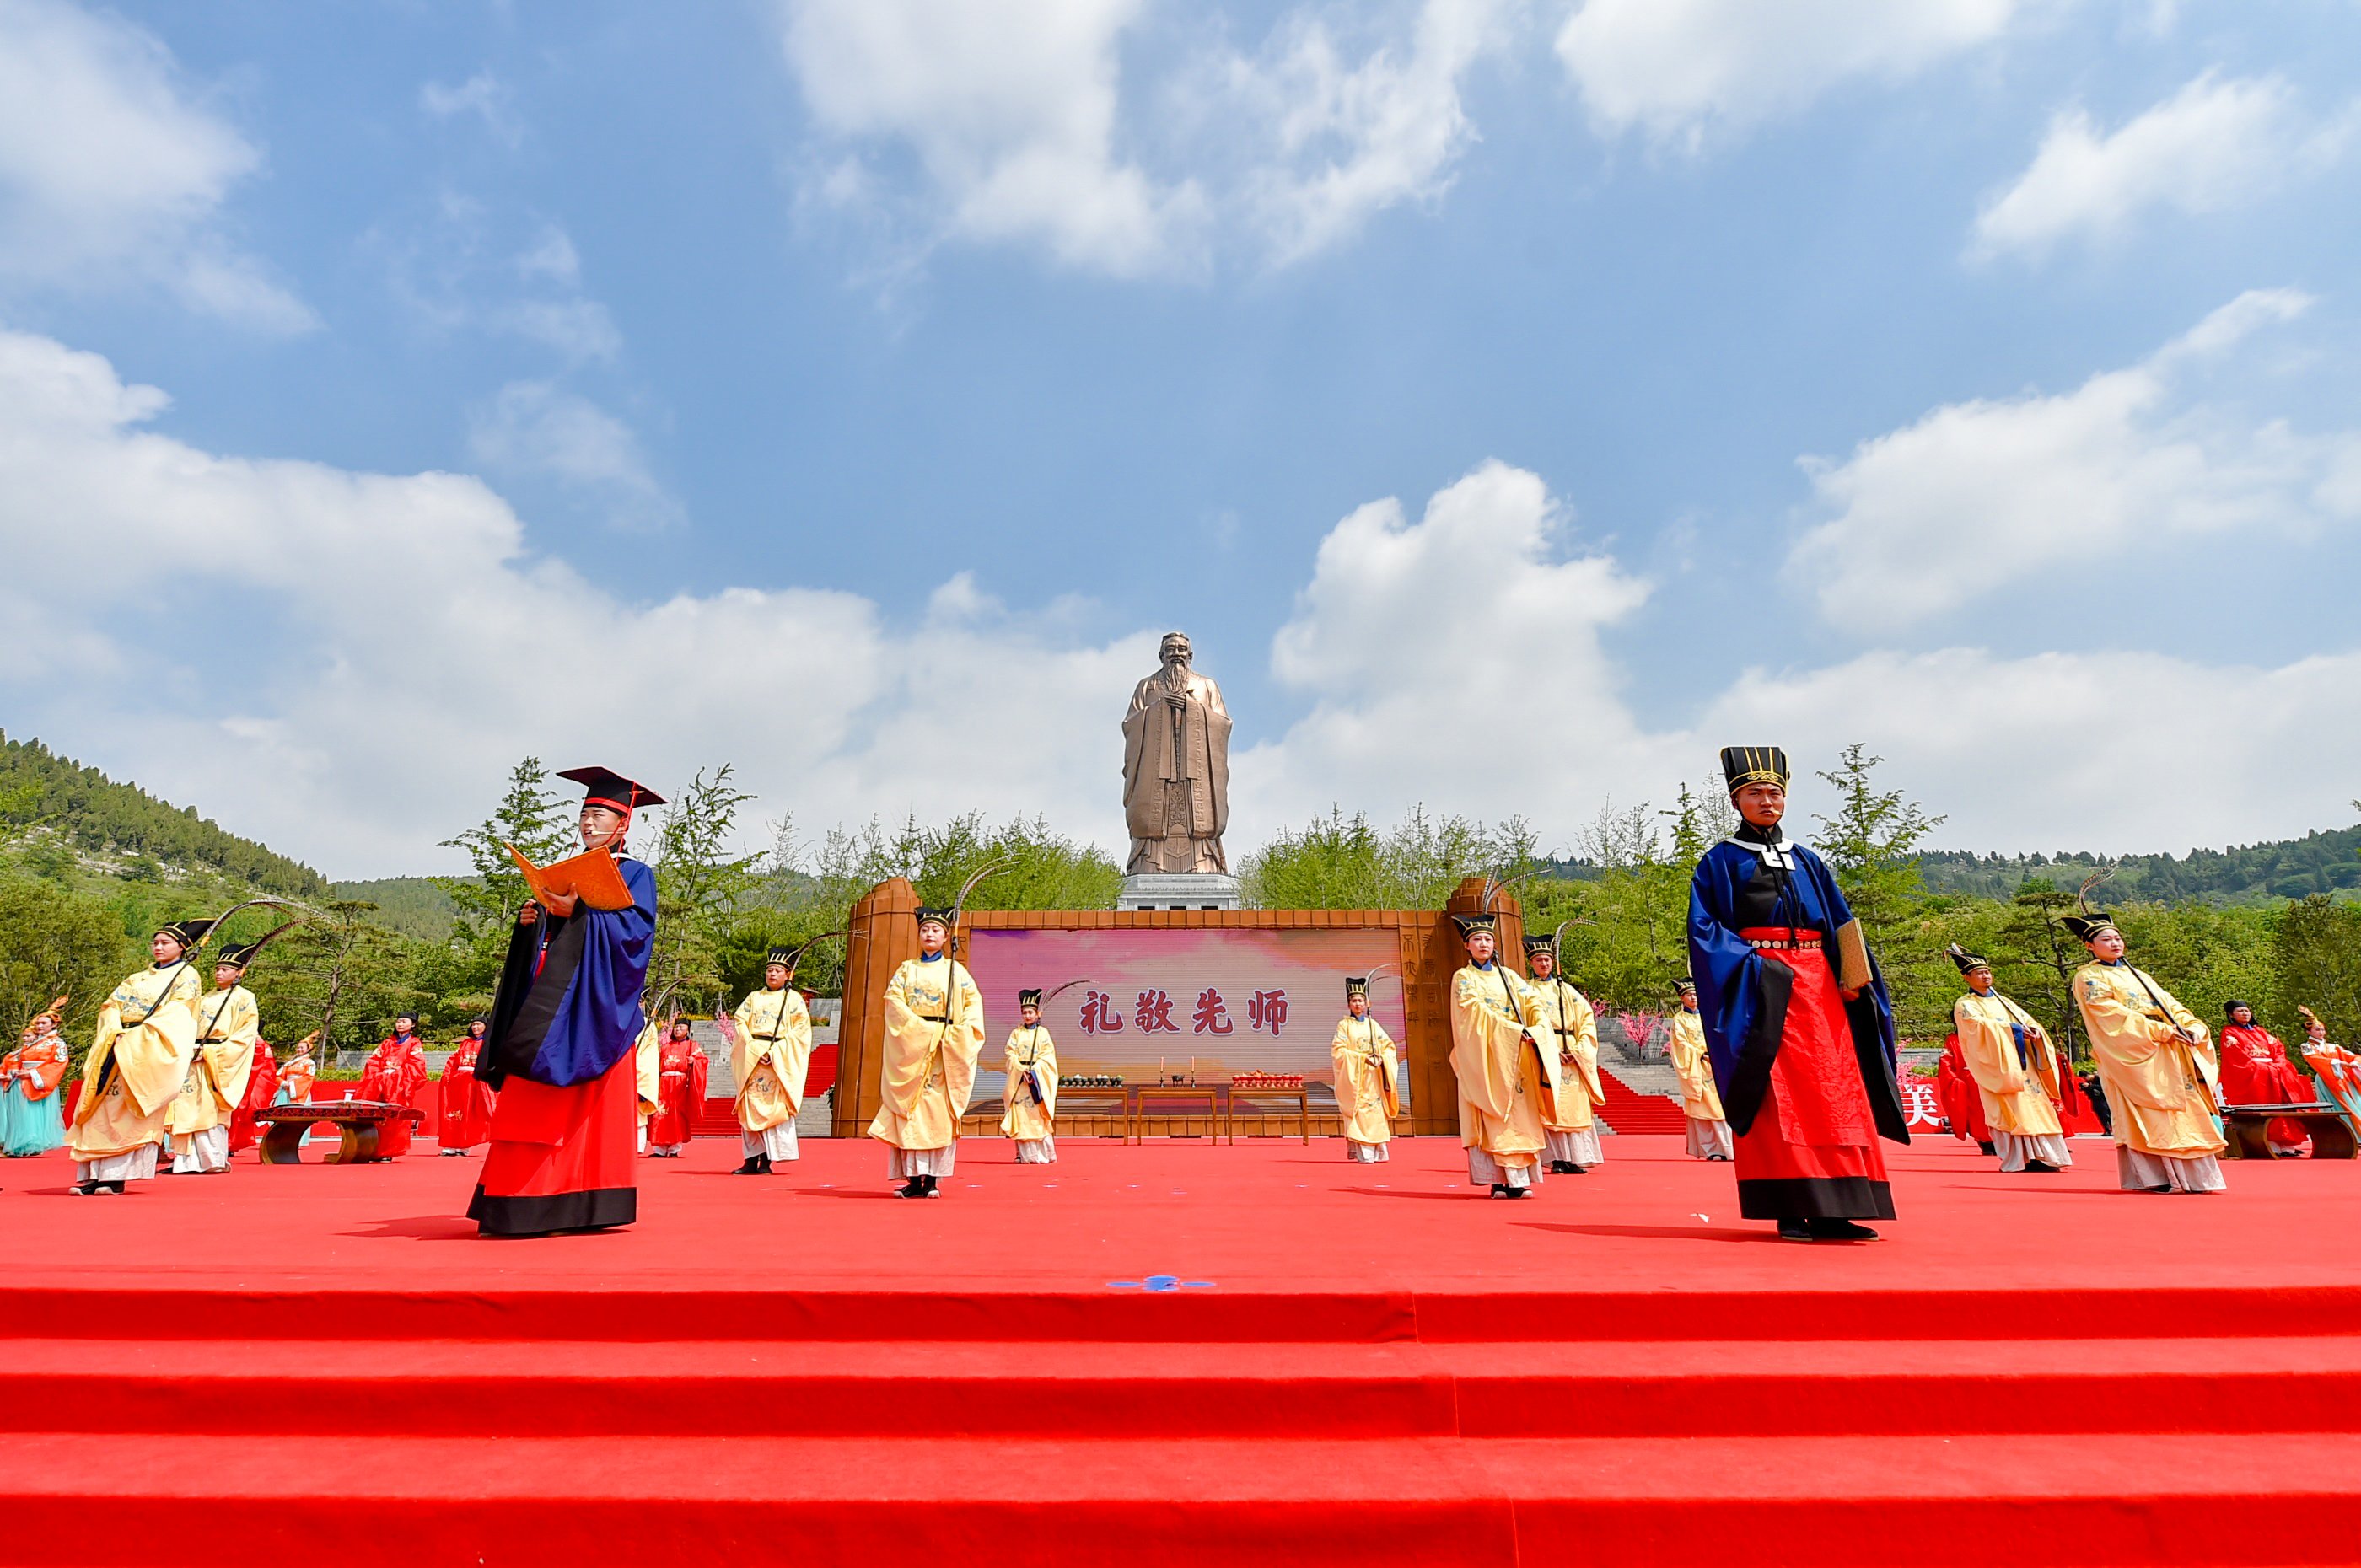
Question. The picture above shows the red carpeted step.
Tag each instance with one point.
(1831, 1502)
(1635, 1112)
(1550, 1389)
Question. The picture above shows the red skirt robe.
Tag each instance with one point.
(1812, 1151)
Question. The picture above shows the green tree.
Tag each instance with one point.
(2316, 962)
(56, 942)
(343, 974)
(1340, 862)
(537, 820)
(701, 886)
(2033, 960)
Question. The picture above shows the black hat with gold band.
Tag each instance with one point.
(236, 955)
(187, 933)
(1967, 962)
(1029, 997)
(1743, 765)
(1356, 985)
(946, 918)
(2086, 927)
(1470, 924)
(1541, 944)
(783, 957)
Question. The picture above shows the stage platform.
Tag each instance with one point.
(1178, 1352)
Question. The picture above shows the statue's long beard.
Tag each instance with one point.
(1176, 675)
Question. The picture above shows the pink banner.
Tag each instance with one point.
(1154, 1004)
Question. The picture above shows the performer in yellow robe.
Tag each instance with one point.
(1508, 1083)
(1368, 1080)
(934, 1033)
(770, 1052)
(2016, 1071)
(1030, 1060)
(2156, 1064)
(1573, 1132)
(1700, 1101)
(647, 1074)
(229, 1027)
(137, 1061)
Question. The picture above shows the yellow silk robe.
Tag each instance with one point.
(770, 1057)
(229, 1025)
(148, 1032)
(1027, 1119)
(927, 1072)
(1568, 1011)
(2016, 1099)
(2160, 1087)
(1700, 1101)
(647, 1070)
(1368, 1091)
(1505, 1085)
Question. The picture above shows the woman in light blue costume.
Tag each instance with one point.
(32, 1111)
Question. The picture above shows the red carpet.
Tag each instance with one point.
(1367, 1364)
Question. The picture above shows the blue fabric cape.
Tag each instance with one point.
(568, 1007)
(1742, 996)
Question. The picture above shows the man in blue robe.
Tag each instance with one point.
(560, 1045)
(1803, 1066)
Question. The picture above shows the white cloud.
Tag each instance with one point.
(483, 96)
(2042, 480)
(1023, 129)
(2216, 144)
(111, 175)
(1681, 70)
(1456, 660)
(417, 648)
(535, 428)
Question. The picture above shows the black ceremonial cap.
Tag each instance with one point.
(1743, 765)
(187, 933)
(1541, 944)
(939, 917)
(610, 788)
(1356, 985)
(1966, 959)
(783, 957)
(237, 954)
(2086, 927)
(1030, 997)
(1470, 924)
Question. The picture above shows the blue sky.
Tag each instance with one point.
(1514, 401)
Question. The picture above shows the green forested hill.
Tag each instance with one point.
(414, 905)
(2320, 862)
(53, 800)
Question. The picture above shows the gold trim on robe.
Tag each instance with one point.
(2016, 1099)
(1507, 1084)
(1026, 1119)
(1684, 1043)
(934, 1034)
(1368, 1087)
(2160, 1087)
(150, 1059)
(770, 1072)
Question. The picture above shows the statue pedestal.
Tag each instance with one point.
(1178, 890)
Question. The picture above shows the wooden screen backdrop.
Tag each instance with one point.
(885, 933)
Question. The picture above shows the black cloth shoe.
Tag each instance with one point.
(1795, 1231)
(1499, 1189)
(1839, 1231)
(753, 1167)
(2041, 1165)
(1573, 1170)
(914, 1188)
(1517, 1192)
(1986, 1149)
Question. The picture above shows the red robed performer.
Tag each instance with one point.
(464, 1102)
(261, 1089)
(2256, 1071)
(1955, 1090)
(395, 1072)
(560, 1048)
(683, 1069)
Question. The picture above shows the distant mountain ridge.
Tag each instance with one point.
(2323, 861)
(56, 799)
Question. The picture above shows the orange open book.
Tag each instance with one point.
(591, 876)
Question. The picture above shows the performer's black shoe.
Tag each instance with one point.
(2041, 1165)
(1499, 1189)
(932, 1190)
(1839, 1231)
(99, 1189)
(1795, 1231)
(1518, 1192)
(1986, 1149)
(1573, 1170)
(914, 1188)
(753, 1167)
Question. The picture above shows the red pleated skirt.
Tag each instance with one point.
(562, 1159)
(1812, 1152)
